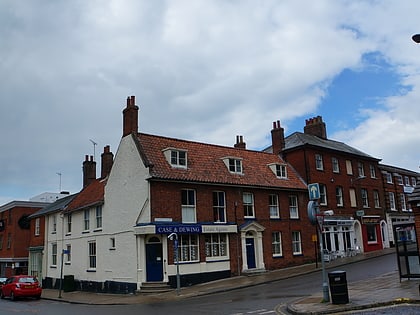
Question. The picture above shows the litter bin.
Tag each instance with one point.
(338, 287)
(68, 283)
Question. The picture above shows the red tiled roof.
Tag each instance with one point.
(205, 164)
(91, 195)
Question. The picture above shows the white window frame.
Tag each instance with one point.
(69, 223)
(235, 166)
(339, 196)
(361, 169)
(37, 226)
(54, 254)
(276, 244)
(335, 165)
(389, 178)
(54, 223)
(293, 207)
(323, 195)
(178, 158)
(92, 255)
(188, 248)
(248, 203)
(365, 198)
(376, 199)
(68, 254)
(403, 203)
(86, 220)
(219, 206)
(273, 204)
(188, 206)
(372, 171)
(296, 243)
(319, 163)
(216, 246)
(392, 205)
(399, 179)
(98, 216)
(406, 181)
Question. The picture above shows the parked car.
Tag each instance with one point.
(21, 286)
(2, 281)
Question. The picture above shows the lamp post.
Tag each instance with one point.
(416, 38)
(174, 237)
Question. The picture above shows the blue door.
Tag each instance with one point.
(154, 262)
(250, 252)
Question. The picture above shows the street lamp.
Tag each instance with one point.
(174, 237)
(416, 38)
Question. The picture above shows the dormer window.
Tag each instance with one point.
(176, 157)
(233, 164)
(280, 170)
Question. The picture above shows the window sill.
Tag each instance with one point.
(91, 270)
(217, 259)
(85, 232)
(67, 263)
(112, 248)
(97, 230)
(68, 234)
(53, 266)
(278, 256)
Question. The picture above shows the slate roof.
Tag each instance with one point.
(56, 206)
(91, 195)
(205, 164)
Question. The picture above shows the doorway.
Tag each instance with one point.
(154, 260)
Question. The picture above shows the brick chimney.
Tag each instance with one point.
(89, 170)
(107, 159)
(316, 127)
(240, 144)
(130, 117)
(277, 137)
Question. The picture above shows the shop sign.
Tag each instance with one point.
(179, 229)
(371, 220)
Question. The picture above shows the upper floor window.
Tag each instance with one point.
(293, 207)
(323, 194)
(280, 170)
(389, 178)
(248, 201)
(365, 201)
(361, 169)
(376, 199)
(86, 219)
(403, 204)
(179, 158)
(349, 167)
(413, 181)
(235, 166)
(219, 206)
(335, 165)
(37, 226)
(276, 244)
(398, 179)
(319, 164)
(54, 223)
(98, 217)
(69, 219)
(9, 240)
(372, 170)
(188, 206)
(406, 181)
(339, 196)
(176, 157)
(392, 201)
(273, 202)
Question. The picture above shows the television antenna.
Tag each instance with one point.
(94, 148)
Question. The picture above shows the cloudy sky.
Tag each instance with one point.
(200, 70)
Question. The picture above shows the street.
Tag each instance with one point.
(261, 299)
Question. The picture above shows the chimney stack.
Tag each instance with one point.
(240, 144)
(107, 159)
(89, 170)
(316, 127)
(130, 117)
(277, 137)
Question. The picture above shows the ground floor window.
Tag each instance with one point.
(216, 245)
(276, 244)
(296, 243)
(371, 233)
(92, 255)
(188, 248)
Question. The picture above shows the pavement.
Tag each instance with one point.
(381, 291)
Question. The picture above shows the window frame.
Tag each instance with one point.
(335, 165)
(249, 209)
(273, 205)
(376, 199)
(188, 205)
(339, 196)
(293, 207)
(364, 197)
(281, 171)
(296, 243)
(323, 200)
(86, 220)
(276, 244)
(188, 247)
(92, 255)
(98, 217)
(361, 169)
(216, 246)
(235, 165)
(54, 251)
(392, 205)
(219, 206)
(319, 163)
(37, 229)
(178, 158)
(372, 171)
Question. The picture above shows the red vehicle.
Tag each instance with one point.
(21, 286)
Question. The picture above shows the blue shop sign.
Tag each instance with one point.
(179, 229)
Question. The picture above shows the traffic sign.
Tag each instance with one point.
(314, 191)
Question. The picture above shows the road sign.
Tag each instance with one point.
(314, 191)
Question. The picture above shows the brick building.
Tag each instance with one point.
(350, 184)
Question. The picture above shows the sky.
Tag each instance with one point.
(203, 71)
